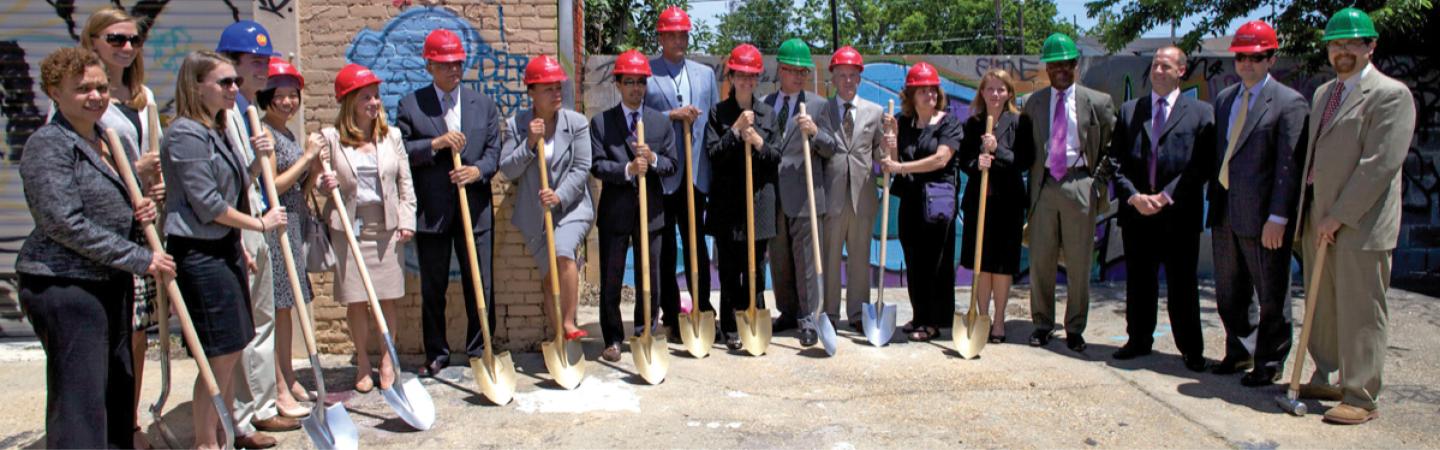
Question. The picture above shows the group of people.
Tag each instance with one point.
(1280, 175)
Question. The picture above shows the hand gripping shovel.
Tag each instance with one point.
(650, 354)
(697, 327)
(564, 359)
(827, 329)
(753, 324)
(172, 291)
(162, 305)
(878, 319)
(1290, 402)
(406, 396)
(329, 427)
(972, 329)
(495, 373)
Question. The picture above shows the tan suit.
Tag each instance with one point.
(1356, 160)
(378, 224)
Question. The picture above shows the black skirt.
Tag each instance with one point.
(1004, 222)
(211, 275)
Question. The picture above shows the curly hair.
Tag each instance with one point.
(65, 63)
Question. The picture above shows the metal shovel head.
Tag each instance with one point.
(971, 335)
(410, 400)
(1290, 402)
(331, 428)
(698, 335)
(651, 358)
(565, 361)
(226, 421)
(879, 326)
(497, 380)
(754, 330)
(827, 334)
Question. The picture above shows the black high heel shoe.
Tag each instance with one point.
(997, 338)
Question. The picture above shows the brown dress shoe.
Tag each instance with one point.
(276, 424)
(255, 440)
(1321, 392)
(611, 353)
(1344, 414)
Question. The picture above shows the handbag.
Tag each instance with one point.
(319, 254)
(939, 202)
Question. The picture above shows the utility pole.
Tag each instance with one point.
(834, 27)
(999, 30)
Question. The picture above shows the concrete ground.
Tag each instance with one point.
(903, 395)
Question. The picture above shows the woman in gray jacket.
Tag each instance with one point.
(77, 268)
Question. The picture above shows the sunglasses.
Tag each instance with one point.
(118, 40)
(1252, 57)
(227, 82)
(632, 83)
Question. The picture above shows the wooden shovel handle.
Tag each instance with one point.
(267, 177)
(476, 282)
(550, 239)
(810, 195)
(980, 225)
(644, 230)
(692, 283)
(750, 227)
(354, 246)
(1310, 291)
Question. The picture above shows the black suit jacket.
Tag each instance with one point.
(1185, 161)
(619, 211)
(1264, 173)
(725, 216)
(421, 119)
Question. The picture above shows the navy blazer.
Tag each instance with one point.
(1185, 160)
(1265, 172)
(620, 197)
(420, 120)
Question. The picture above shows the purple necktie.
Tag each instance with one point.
(1059, 127)
(1156, 127)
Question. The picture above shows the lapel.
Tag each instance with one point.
(666, 82)
(1352, 100)
(562, 144)
(1042, 124)
(1082, 122)
(1004, 127)
(1252, 118)
(430, 97)
(620, 126)
(832, 113)
(91, 154)
(1182, 104)
(693, 95)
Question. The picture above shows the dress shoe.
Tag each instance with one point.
(1196, 363)
(255, 440)
(611, 353)
(1128, 352)
(857, 326)
(276, 424)
(1076, 343)
(784, 324)
(672, 333)
(1344, 414)
(1230, 366)
(431, 368)
(1321, 392)
(1039, 338)
(1261, 376)
(732, 341)
(808, 338)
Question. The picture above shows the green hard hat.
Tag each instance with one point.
(1058, 47)
(795, 52)
(1349, 23)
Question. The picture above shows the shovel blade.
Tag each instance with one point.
(651, 358)
(879, 325)
(332, 429)
(754, 331)
(971, 334)
(227, 422)
(698, 332)
(827, 334)
(496, 380)
(565, 361)
(410, 400)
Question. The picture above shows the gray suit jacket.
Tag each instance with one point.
(854, 156)
(82, 211)
(569, 171)
(1095, 118)
(206, 177)
(660, 95)
(792, 158)
(1264, 172)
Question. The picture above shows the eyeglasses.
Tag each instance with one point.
(228, 82)
(1252, 57)
(118, 40)
(632, 83)
(1350, 44)
(796, 70)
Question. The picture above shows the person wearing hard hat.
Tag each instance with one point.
(621, 156)
(851, 126)
(1071, 135)
(741, 123)
(436, 120)
(1361, 125)
(248, 44)
(685, 90)
(797, 282)
(1253, 194)
(1164, 143)
(565, 136)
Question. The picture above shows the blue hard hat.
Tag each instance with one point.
(246, 36)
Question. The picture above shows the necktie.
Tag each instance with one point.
(1157, 125)
(633, 117)
(784, 112)
(1236, 124)
(1059, 128)
(1331, 105)
(452, 112)
(849, 124)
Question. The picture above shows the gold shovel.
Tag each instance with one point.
(753, 324)
(564, 359)
(697, 327)
(494, 373)
(650, 354)
(972, 329)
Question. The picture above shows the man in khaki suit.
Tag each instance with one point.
(1361, 125)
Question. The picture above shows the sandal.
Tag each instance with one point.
(924, 333)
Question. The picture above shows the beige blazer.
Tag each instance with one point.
(396, 189)
(1357, 159)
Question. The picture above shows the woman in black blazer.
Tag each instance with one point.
(77, 268)
(738, 120)
(1007, 154)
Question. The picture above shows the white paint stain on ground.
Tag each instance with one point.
(593, 395)
(736, 394)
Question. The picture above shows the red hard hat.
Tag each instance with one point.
(922, 74)
(444, 46)
(746, 58)
(847, 56)
(544, 69)
(1253, 37)
(673, 19)
(632, 62)
(282, 68)
(351, 77)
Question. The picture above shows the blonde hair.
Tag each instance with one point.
(134, 76)
(349, 128)
(907, 104)
(978, 107)
(188, 101)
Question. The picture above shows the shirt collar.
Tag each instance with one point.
(441, 92)
(1067, 92)
(1255, 90)
(1354, 80)
(673, 67)
(1170, 98)
(628, 111)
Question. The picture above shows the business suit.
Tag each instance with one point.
(1175, 164)
(1005, 205)
(421, 119)
(792, 258)
(661, 95)
(568, 164)
(727, 221)
(1063, 211)
(853, 200)
(1263, 181)
(377, 224)
(610, 136)
(1355, 160)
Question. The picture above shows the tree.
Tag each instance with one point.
(762, 23)
(614, 26)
